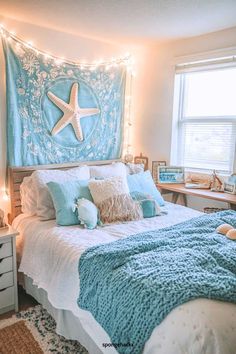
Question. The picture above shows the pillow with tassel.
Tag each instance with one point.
(113, 200)
(149, 206)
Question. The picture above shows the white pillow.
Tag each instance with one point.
(112, 170)
(111, 196)
(45, 207)
(28, 197)
(133, 168)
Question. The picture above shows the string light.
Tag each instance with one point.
(4, 193)
(125, 60)
(122, 60)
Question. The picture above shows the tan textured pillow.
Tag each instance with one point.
(113, 200)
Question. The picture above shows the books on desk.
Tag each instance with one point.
(197, 185)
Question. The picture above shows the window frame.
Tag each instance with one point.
(179, 120)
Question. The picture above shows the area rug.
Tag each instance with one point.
(33, 332)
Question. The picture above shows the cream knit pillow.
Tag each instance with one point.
(113, 200)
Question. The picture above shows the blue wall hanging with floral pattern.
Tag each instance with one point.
(61, 112)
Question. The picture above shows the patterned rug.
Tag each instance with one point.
(33, 332)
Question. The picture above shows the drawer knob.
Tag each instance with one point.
(2, 289)
(1, 245)
(1, 260)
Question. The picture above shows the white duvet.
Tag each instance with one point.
(50, 254)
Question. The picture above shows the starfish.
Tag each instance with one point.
(72, 112)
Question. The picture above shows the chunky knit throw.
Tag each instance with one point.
(131, 285)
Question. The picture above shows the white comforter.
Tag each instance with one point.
(50, 257)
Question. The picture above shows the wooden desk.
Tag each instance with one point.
(180, 190)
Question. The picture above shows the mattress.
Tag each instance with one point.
(49, 255)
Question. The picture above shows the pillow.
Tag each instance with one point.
(87, 213)
(112, 198)
(28, 197)
(45, 208)
(133, 168)
(149, 206)
(64, 196)
(143, 182)
(112, 170)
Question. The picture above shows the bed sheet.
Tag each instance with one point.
(50, 254)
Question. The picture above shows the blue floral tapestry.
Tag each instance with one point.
(58, 112)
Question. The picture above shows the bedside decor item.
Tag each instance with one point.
(142, 160)
(170, 174)
(230, 185)
(155, 165)
(216, 183)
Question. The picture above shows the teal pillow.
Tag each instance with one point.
(148, 205)
(87, 213)
(64, 196)
(142, 182)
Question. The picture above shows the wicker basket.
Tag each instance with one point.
(213, 210)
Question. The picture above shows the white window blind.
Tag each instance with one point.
(206, 119)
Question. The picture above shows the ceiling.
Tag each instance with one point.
(126, 20)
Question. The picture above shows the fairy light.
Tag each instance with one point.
(113, 62)
(5, 197)
(125, 60)
(4, 194)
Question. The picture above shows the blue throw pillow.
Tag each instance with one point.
(64, 196)
(149, 206)
(142, 182)
(87, 213)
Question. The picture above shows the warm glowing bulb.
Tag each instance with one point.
(58, 61)
(5, 198)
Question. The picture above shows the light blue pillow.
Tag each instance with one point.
(142, 182)
(64, 196)
(87, 213)
(149, 206)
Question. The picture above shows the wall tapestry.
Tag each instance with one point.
(61, 112)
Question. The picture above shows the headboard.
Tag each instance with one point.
(17, 174)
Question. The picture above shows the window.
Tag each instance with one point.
(204, 126)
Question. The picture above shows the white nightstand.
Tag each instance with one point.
(8, 270)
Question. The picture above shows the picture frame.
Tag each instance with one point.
(142, 160)
(229, 188)
(155, 165)
(171, 174)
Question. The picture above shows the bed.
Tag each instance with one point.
(49, 256)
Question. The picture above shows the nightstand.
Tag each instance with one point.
(8, 270)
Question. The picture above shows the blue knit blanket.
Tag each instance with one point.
(131, 285)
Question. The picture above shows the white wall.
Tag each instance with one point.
(154, 124)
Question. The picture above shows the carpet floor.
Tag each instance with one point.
(33, 332)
